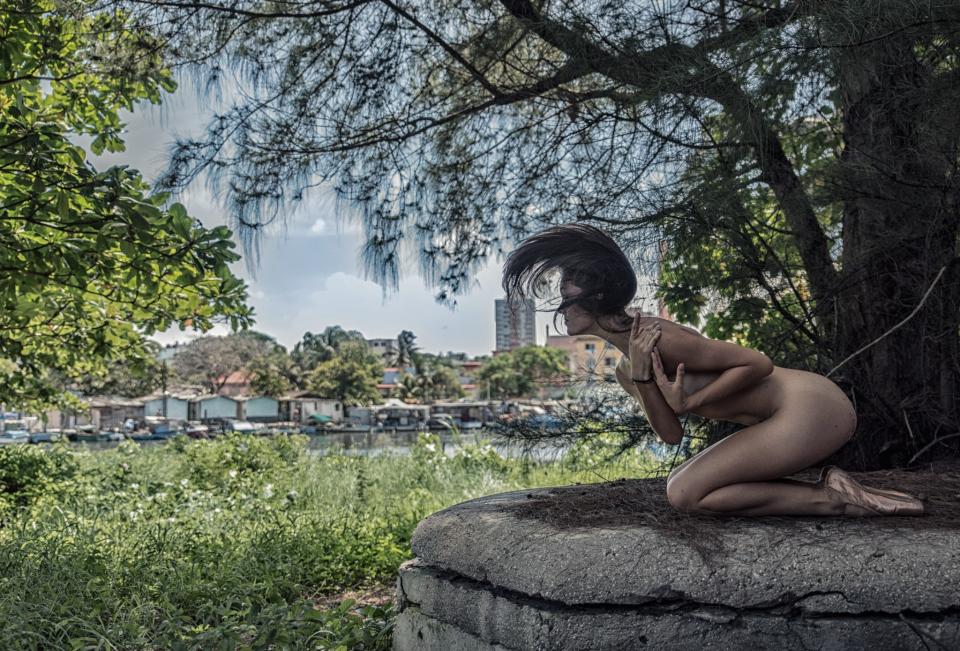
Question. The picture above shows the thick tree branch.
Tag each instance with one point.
(683, 69)
(220, 8)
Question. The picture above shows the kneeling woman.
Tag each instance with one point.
(793, 418)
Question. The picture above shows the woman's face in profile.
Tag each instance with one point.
(576, 319)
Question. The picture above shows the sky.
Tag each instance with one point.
(310, 276)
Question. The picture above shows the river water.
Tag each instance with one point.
(372, 443)
(376, 443)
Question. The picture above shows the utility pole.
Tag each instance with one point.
(163, 385)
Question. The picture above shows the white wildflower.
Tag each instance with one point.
(133, 516)
(268, 491)
(233, 474)
(184, 482)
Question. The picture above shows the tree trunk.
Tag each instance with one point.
(900, 229)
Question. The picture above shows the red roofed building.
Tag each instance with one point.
(235, 384)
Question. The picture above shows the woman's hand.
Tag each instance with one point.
(672, 392)
(642, 341)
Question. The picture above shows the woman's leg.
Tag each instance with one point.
(741, 475)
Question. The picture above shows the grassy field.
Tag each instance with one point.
(237, 543)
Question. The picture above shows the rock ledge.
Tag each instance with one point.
(611, 566)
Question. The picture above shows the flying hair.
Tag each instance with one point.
(584, 255)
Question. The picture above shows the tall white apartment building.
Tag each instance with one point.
(516, 327)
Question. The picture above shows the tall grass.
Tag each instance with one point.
(229, 543)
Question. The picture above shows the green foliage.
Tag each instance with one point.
(595, 452)
(351, 375)
(434, 379)
(209, 361)
(407, 351)
(129, 378)
(739, 235)
(313, 349)
(270, 377)
(28, 471)
(227, 543)
(94, 262)
(520, 372)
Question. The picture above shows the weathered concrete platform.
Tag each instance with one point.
(611, 566)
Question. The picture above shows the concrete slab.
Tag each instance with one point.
(505, 572)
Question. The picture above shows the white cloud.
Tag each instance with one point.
(309, 273)
(319, 226)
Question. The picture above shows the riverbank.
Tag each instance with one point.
(239, 541)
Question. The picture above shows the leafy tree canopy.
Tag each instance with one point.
(797, 157)
(351, 375)
(520, 372)
(92, 262)
(313, 349)
(209, 361)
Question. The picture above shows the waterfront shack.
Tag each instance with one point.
(392, 414)
(213, 407)
(110, 413)
(259, 409)
(174, 406)
(298, 406)
(465, 414)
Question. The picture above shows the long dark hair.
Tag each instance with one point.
(588, 258)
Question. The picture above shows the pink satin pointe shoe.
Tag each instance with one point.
(878, 501)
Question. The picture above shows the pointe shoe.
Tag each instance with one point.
(876, 501)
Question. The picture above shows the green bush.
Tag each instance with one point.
(225, 543)
(28, 471)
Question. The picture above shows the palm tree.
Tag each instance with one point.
(406, 350)
(406, 387)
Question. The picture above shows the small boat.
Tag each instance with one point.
(89, 434)
(140, 435)
(197, 431)
(165, 431)
(46, 437)
(14, 437)
(242, 427)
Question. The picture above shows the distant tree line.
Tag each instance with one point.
(335, 362)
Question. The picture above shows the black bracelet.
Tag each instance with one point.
(647, 381)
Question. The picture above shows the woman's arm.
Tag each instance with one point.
(659, 414)
(729, 382)
(739, 367)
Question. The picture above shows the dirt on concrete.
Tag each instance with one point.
(630, 502)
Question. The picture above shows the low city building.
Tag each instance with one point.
(591, 359)
(259, 408)
(467, 373)
(213, 407)
(173, 406)
(388, 383)
(111, 413)
(297, 407)
(386, 348)
(235, 384)
(392, 414)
